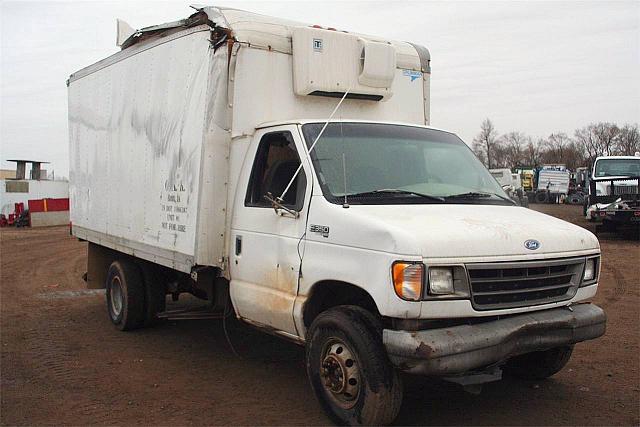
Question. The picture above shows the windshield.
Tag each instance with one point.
(422, 165)
(618, 167)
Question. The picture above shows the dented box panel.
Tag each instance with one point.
(136, 129)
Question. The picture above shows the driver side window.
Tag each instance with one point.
(275, 164)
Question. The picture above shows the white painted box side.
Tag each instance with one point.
(136, 140)
(264, 92)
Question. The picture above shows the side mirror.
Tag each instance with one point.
(276, 204)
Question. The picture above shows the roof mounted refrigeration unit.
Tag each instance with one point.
(328, 63)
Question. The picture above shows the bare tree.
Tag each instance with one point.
(607, 134)
(484, 143)
(517, 149)
(556, 145)
(598, 139)
(500, 155)
(514, 145)
(573, 156)
(589, 143)
(628, 142)
(532, 153)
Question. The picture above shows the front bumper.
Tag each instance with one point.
(460, 349)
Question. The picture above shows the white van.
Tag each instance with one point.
(287, 173)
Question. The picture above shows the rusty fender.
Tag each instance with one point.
(463, 348)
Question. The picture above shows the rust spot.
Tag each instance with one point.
(424, 351)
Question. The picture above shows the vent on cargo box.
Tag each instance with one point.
(349, 96)
(328, 63)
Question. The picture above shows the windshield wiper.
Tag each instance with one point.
(396, 191)
(479, 195)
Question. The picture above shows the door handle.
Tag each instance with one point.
(238, 245)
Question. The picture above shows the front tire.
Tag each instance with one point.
(349, 370)
(125, 295)
(539, 364)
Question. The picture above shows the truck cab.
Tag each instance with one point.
(404, 223)
(613, 198)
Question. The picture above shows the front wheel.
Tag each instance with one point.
(539, 364)
(348, 368)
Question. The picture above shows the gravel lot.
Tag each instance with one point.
(64, 363)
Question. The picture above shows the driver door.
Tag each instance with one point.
(267, 246)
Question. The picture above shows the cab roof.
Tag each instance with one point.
(618, 157)
(305, 121)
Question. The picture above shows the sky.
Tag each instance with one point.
(536, 67)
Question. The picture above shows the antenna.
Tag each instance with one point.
(344, 167)
(295, 175)
(344, 174)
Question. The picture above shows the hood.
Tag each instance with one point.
(452, 231)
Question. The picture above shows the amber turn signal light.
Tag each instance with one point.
(408, 279)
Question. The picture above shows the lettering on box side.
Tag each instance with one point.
(174, 209)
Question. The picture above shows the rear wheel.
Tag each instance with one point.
(125, 295)
(540, 364)
(542, 197)
(349, 370)
(575, 199)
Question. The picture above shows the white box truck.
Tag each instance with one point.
(288, 173)
(614, 200)
(552, 183)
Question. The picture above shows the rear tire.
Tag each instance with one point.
(349, 370)
(574, 199)
(125, 295)
(540, 364)
(542, 197)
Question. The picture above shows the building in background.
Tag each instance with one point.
(23, 186)
(7, 174)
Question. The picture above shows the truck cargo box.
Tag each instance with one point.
(136, 129)
(158, 131)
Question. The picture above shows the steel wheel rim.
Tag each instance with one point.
(115, 295)
(340, 373)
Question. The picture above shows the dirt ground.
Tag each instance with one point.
(64, 363)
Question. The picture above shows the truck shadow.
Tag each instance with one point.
(506, 402)
(427, 401)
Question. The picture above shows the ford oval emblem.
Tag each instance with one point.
(531, 244)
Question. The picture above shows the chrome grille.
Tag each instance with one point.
(518, 284)
(619, 190)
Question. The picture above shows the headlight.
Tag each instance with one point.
(441, 281)
(408, 279)
(590, 274)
